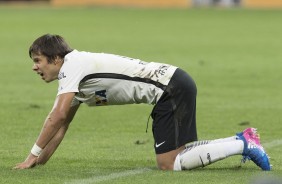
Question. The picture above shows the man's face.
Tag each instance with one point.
(47, 71)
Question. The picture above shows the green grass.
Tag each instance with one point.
(234, 56)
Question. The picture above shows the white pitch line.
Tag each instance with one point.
(111, 176)
(273, 143)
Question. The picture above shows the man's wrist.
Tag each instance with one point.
(36, 150)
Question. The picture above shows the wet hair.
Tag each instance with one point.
(51, 46)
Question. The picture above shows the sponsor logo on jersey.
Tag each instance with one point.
(162, 70)
(101, 97)
(61, 75)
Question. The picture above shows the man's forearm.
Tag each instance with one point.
(53, 144)
(52, 133)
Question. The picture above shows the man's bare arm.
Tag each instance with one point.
(51, 147)
(54, 121)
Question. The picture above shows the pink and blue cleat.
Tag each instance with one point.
(253, 150)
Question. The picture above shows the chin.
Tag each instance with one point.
(49, 80)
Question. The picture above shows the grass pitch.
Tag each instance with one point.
(234, 56)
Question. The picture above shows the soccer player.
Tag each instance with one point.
(99, 79)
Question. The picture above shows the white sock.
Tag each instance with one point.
(205, 154)
(228, 139)
(197, 143)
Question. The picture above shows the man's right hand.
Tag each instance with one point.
(28, 163)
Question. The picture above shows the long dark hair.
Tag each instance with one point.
(51, 46)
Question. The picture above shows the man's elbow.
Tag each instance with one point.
(57, 119)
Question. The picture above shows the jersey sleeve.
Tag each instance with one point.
(69, 77)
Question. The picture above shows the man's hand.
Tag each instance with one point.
(28, 163)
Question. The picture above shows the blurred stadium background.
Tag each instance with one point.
(159, 3)
(234, 55)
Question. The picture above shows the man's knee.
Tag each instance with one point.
(165, 161)
(165, 166)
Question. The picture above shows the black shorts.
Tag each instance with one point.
(174, 115)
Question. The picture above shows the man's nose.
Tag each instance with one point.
(34, 67)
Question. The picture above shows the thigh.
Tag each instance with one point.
(164, 130)
(174, 116)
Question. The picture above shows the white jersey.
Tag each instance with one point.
(107, 79)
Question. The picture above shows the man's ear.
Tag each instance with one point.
(58, 60)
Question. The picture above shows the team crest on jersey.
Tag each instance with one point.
(101, 97)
